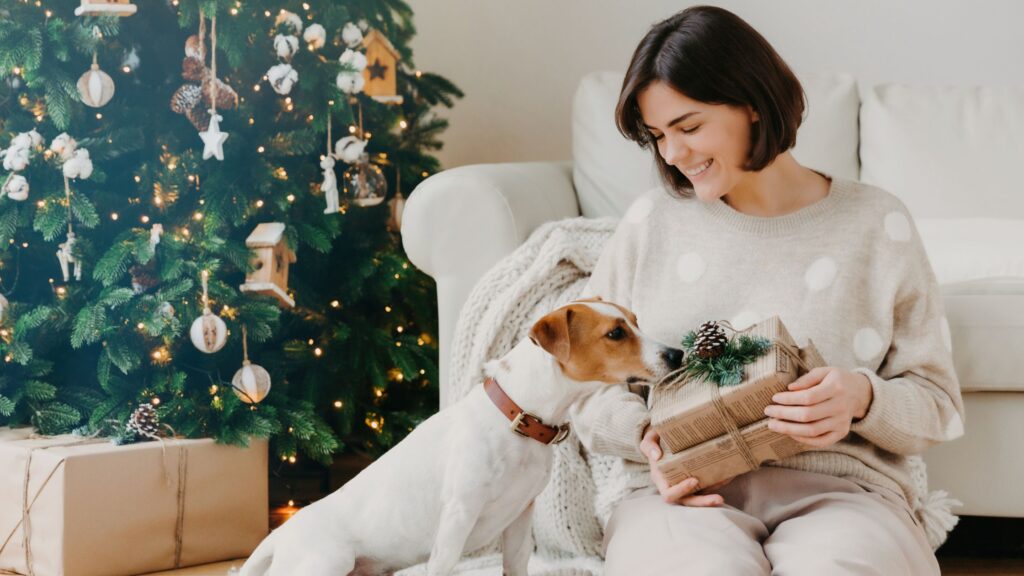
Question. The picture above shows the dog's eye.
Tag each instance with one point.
(616, 334)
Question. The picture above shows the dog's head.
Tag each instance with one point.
(599, 341)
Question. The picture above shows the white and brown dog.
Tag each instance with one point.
(465, 475)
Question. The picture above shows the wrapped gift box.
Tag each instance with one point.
(84, 507)
(692, 413)
(715, 433)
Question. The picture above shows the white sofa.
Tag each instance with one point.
(951, 154)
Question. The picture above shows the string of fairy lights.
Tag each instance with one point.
(163, 199)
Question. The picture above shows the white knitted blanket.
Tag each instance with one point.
(548, 270)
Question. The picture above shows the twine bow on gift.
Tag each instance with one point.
(696, 375)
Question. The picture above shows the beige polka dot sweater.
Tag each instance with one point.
(848, 271)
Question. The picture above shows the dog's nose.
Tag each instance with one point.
(673, 357)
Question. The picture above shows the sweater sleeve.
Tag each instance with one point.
(612, 420)
(916, 394)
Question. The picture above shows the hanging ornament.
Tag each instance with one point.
(144, 277)
(78, 166)
(351, 35)
(213, 138)
(69, 264)
(397, 205)
(4, 305)
(330, 184)
(286, 46)
(95, 87)
(288, 22)
(349, 149)
(270, 263)
(166, 310)
(380, 74)
(252, 382)
(209, 333)
(365, 183)
(155, 232)
(105, 8)
(282, 76)
(350, 82)
(202, 89)
(15, 159)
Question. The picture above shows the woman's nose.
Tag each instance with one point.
(674, 151)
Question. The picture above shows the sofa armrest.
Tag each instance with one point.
(460, 222)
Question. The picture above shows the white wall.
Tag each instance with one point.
(519, 61)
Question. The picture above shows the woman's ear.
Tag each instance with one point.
(754, 117)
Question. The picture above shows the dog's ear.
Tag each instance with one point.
(552, 333)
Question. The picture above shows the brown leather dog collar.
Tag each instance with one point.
(523, 422)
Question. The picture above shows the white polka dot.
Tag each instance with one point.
(867, 344)
(955, 427)
(691, 267)
(639, 210)
(746, 319)
(897, 226)
(947, 339)
(821, 273)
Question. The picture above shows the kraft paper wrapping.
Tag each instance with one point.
(96, 509)
(698, 410)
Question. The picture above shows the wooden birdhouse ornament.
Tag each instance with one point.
(105, 8)
(270, 275)
(381, 68)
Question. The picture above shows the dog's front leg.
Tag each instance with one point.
(516, 544)
(458, 516)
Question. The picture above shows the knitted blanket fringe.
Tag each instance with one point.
(548, 270)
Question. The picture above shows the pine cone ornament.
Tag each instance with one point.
(143, 277)
(144, 422)
(186, 97)
(710, 340)
(227, 98)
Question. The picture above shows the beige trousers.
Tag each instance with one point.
(774, 521)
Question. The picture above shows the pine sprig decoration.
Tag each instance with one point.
(724, 368)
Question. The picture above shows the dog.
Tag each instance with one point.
(471, 472)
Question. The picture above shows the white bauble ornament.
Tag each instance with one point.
(4, 305)
(315, 36)
(351, 35)
(80, 166)
(349, 149)
(96, 87)
(251, 383)
(350, 82)
(286, 46)
(282, 77)
(16, 188)
(356, 60)
(209, 333)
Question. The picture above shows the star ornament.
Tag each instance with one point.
(213, 138)
(377, 70)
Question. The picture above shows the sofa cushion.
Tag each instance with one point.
(986, 325)
(609, 171)
(946, 151)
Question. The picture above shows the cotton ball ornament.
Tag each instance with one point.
(315, 36)
(80, 166)
(349, 149)
(16, 188)
(282, 77)
(286, 46)
(350, 82)
(22, 140)
(289, 20)
(209, 333)
(351, 35)
(353, 59)
(64, 145)
(16, 159)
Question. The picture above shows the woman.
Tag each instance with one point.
(745, 232)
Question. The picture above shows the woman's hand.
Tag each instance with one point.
(683, 493)
(819, 406)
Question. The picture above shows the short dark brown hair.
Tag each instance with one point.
(713, 56)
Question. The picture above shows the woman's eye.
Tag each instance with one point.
(692, 130)
(656, 137)
(616, 334)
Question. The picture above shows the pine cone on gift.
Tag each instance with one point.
(710, 340)
(144, 422)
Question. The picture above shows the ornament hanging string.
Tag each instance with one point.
(245, 346)
(67, 195)
(328, 130)
(206, 297)
(213, 62)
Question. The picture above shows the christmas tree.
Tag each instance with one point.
(164, 164)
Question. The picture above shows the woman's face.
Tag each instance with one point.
(708, 143)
